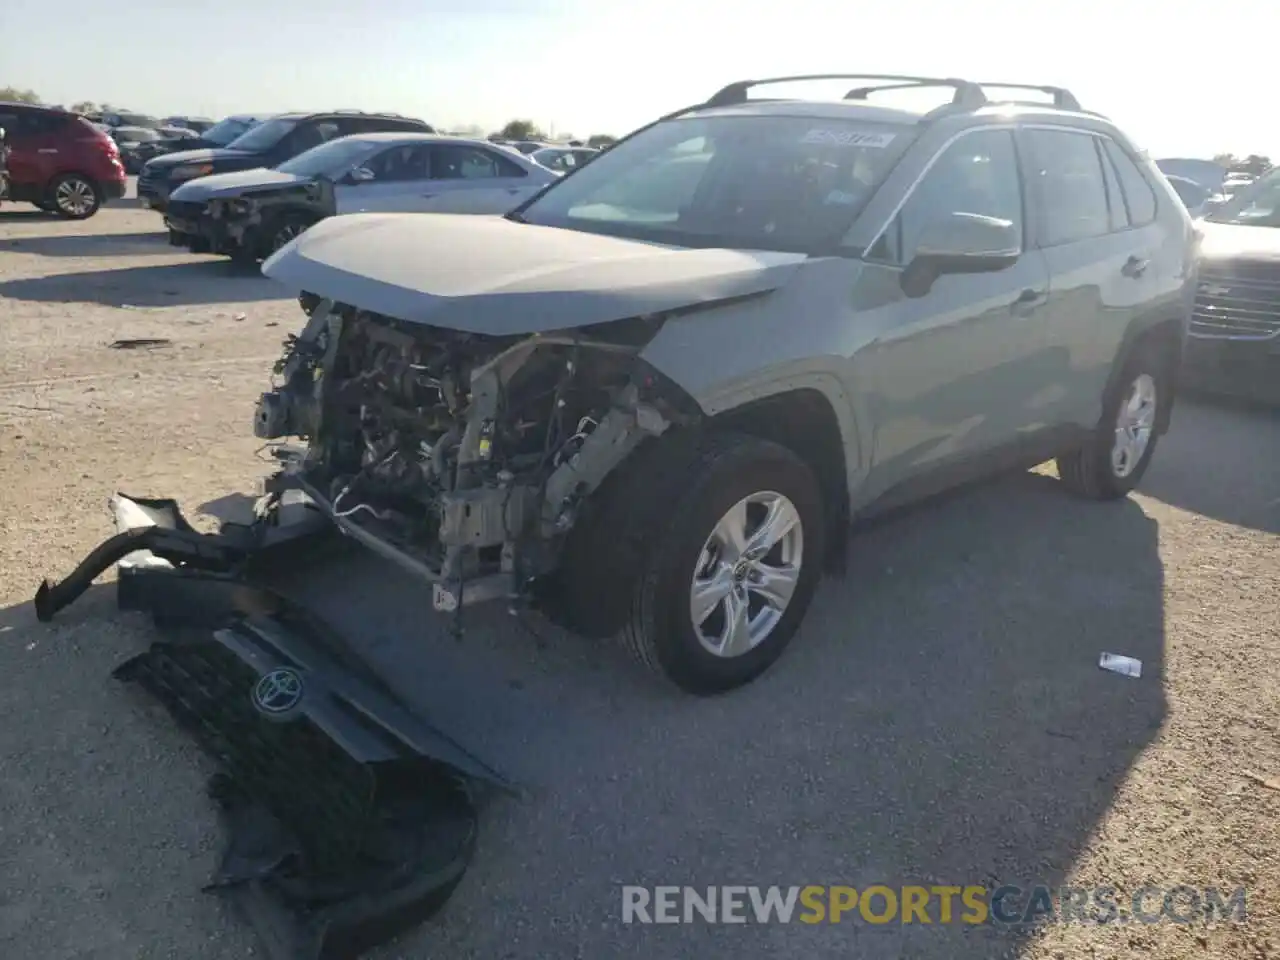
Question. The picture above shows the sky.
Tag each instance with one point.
(1174, 76)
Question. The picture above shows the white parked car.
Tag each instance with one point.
(251, 213)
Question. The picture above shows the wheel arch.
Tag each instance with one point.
(1165, 339)
(804, 420)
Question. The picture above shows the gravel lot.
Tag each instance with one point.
(941, 718)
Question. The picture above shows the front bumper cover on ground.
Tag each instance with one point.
(350, 818)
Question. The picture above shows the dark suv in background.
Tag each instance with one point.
(59, 161)
(270, 143)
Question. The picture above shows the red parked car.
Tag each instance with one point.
(59, 161)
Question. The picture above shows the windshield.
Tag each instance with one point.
(769, 183)
(328, 159)
(224, 131)
(264, 136)
(1257, 204)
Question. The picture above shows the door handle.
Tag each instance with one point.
(428, 196)
(1135, 267)
(1028, 300)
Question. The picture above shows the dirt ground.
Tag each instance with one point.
(940, 720)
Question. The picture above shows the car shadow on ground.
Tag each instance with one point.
(941, 719)
(26, 214)
(1210, 440)
(94, 245)
(163, 285)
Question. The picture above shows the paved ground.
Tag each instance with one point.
(941, 718)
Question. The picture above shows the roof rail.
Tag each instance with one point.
(969, 94)
(965, 91)
(1063, 98)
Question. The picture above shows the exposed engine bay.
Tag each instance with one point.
(463, 457)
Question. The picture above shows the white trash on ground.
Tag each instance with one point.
(1116, 663)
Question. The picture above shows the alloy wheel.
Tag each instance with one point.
(1135, 422)
(746, 574)
(74, 197)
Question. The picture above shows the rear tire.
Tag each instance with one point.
(75, 197)
(735, 482)
(1111, 463)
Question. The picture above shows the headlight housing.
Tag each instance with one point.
(191, 170)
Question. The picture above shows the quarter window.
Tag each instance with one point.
(1066, 173)
(1138, 195)
(977, 174)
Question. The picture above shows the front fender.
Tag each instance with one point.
(797, 338)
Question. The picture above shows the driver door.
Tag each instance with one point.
(399, 179)
(950, 375)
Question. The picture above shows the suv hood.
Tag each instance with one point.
(493, 276)
(1237, 240)
(234, 184)
(222, 159)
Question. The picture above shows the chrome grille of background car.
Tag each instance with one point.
(145, 182)
(1238, 301)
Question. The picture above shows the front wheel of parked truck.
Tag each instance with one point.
(1111, 463)
(731, 566)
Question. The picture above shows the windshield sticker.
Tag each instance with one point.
(849, 138)
(840, 198)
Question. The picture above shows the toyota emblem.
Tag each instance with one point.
(278, 691)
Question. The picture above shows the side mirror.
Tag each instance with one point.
(960, 243)
(359, 175)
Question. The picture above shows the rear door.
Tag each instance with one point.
(1096, 225)
(472, 179)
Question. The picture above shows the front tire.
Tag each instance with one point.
(75, 197)
(1113, 460)
(730, 573)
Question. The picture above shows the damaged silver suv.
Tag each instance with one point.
(652, 399)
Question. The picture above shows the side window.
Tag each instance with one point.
(1066, 174)
(310, 135)
(400, 163)
(9, 123)
(1119, 219)
(976, 174)
(1138, 195)
(450, 162)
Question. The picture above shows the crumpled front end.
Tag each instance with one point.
(229, 223)
(464, 458)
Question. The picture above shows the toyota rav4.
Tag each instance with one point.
(652, 398)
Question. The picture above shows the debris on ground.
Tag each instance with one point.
(1269, 782)
(1126, 666)
(141, 343)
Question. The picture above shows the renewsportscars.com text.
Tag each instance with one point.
(935, 904)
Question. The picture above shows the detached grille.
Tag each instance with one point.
(322, 795)
(1237, 301)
